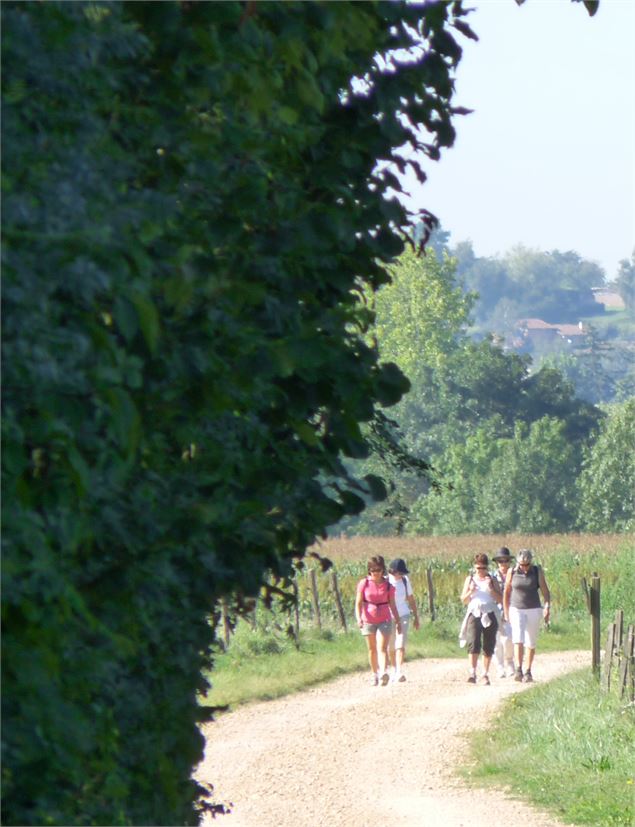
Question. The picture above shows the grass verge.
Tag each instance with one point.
(566, 747)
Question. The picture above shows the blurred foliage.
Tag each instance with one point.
(195, 197)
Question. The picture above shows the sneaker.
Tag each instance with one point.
(528, 678)
(502, 673)
(385, 678)
(472, 679)
(485, 680)
(374, 680)
(402, 678)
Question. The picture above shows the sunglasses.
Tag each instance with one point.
(481, 568)
(374, 571)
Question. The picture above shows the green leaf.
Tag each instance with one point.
(148, 319)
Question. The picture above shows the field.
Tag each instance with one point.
(340, 549)
(565, 558)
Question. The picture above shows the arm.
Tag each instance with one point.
(358, 607)
(413, 608)
(393, 606)
(544, 588)
(469, 587)
(507, 593)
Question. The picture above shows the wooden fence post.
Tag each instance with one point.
(338, 600)
(594, 600)
(315, 599)
(608, 658)
(430, 593)
(226, 624)
(627, 670)
(619, 629)
(296, 613)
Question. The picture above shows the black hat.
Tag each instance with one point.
(503, 555)
(398, 566)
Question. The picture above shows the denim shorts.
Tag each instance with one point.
(383, 628)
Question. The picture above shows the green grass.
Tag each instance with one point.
(566, 747)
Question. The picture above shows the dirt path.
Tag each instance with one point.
(346, 753)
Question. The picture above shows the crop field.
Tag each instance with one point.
(566, 560)
(345, 549)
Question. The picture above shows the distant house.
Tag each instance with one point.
(609, 298)
(532, 332)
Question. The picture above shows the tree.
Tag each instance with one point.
(525, 483)
(195, 196)
(607, 481)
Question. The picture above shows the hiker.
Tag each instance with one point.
(374, 606)
(406, 605)
(504, 652)
(481, 594)
(521, 607)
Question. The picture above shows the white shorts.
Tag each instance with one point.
(398, 640)
(525, 624)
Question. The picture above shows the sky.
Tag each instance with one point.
(547, 159)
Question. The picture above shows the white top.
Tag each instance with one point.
(482, 599)
(401, 593)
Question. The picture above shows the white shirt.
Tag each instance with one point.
(401, 593)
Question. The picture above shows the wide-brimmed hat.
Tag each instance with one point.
(503, 555)
(398, 566)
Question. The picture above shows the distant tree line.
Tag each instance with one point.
(557, 288)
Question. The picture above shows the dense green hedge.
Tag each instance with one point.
(193, 203)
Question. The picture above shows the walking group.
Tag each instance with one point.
(502, 617)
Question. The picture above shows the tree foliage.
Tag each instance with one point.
(195, 196)
(607, 482)
(472, 406)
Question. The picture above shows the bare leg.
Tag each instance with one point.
(530, 658)
(399, 659)
(371, 642)
(519, 649)
(382, 653)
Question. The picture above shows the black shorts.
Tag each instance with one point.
(477, 633)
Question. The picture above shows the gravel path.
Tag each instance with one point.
(346, 754)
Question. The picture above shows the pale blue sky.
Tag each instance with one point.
(547, 159)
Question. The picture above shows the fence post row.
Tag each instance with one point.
(623, 652)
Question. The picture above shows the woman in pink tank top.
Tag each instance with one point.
(374, 608)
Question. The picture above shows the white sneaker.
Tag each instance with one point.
(502, 673)
(374, 681)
